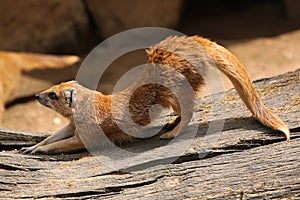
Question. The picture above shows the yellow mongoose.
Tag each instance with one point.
(185, 56)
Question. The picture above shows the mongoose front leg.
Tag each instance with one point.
(63, 146)
(62, 134)
(180, 125)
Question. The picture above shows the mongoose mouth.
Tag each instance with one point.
(41, 100)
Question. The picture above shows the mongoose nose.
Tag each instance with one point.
(38, 97)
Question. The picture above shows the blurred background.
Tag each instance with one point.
(263, 34)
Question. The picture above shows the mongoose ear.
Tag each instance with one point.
(148, 51)
(70, 96)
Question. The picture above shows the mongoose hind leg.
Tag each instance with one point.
(180, 122)
(172, 124)
(171, 134)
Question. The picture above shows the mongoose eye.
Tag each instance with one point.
(52, 96)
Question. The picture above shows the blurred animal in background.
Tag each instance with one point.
(14, 64)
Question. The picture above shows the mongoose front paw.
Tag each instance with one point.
(37, 150)
(27, 150)
(31, 150)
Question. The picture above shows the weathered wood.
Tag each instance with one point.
(245, 160)
(10, 139)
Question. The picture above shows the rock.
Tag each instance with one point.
(44, 26)
(114, 16)
(292, 8)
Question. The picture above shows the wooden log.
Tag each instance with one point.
(10, 139)
(242, 161)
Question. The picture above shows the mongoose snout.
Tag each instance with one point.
(39, 98)
(42, 100)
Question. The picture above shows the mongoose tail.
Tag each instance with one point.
(30, 61)
(235, 71)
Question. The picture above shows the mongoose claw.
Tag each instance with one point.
(28, 150)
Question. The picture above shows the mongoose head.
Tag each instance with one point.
(60, 98)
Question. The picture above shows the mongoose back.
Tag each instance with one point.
(171, 63)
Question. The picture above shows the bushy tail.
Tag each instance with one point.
(235, 71)
(30, 61)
